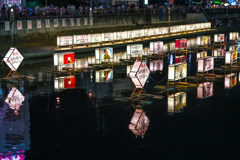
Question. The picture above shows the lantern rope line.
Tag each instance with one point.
(156, 81)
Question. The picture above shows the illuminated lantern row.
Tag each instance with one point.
(205, 64)
(230, 80)
(181, 58)
(181, 43)
(177, 71)
(218, 38)
(139, 123)
(80, 39)
(64, 40)
(63, 60)
(156, 46)
(203, 40)
(205, 90)
(139, 73)
(201, 54)
(176, 102)
(233, 36)
(123, 35)
(65, 82)
(81, 63)
(218, 52)
(156, 65)
(13, 59)
(135, 50)
(103, 55)
(231, 57)
(104, 76)
(14, 99)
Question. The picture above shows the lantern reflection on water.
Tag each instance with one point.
(81, 63)
(14, 99)
(66, 82)
(176, 102)
(104, 76)
(205, 90)
(230, 80)
(201, 54)
(139, 123)
(218, 52)
(156, 65)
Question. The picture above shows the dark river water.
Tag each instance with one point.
(87, 122)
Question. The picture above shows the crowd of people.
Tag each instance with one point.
(225, 22)
(53, 10)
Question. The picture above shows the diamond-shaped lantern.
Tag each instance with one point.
(14, 99)
(139, 73)
(13, 59)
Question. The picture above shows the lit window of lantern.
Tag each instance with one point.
(181, 43)
(218, 38)
(176, 102)
(205, 90)
(203, 40)
(66, 82)
(233, 36)
(135, 50)
(139, 123)
(156, 46)
(233, 48)
(177, 71)
(205, 64)
(218, 52)
(63, 60)
(95, 38)
(120, 35)
(80, 39)
(104, 55)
